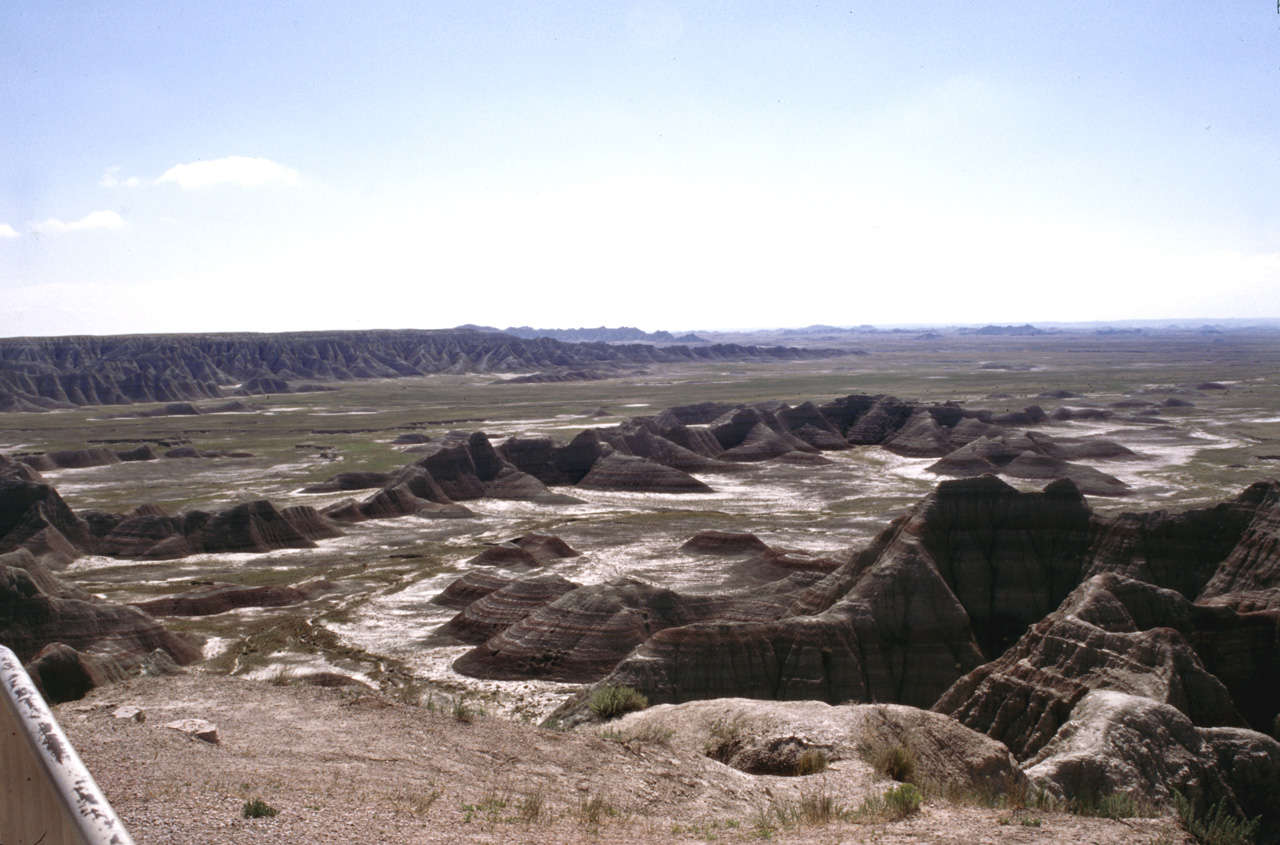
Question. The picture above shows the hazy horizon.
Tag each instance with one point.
(657, 164)
(1187, 324)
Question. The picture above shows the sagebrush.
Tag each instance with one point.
(610, 702)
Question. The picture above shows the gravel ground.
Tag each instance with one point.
(347, 765)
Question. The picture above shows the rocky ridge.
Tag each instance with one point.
(42, 373)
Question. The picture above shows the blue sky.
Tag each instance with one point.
(277, 166)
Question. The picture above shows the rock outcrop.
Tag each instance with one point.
(630, 473)
(1092, 642)
(584, 633)
(764, 737)
(33, 516)
(345, 481)
(1121, 743)
(98, 641)
(523, 553)
(717, 542)
(504, 607)
(210, 599)
(1033, 457)
(248, 527)
(72, 459)
(471, 587)
(18, 471)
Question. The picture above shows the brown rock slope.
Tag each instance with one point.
(583, 634)
(210, 599)
(977, 567)
(504, 607)
(472, 586)
(1092, 642)
(37, 610)
(973, 565)
(1121, 743)
(33, 516)
(248, 527)
(635, 474)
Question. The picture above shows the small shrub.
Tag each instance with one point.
(901, 801)
(494, 800)
(464, 712)
(1216, 826)
(894, 760)
(724, 730)
(1024, 796)
(259, 809)
(1114, 805)
(282, 677)
(821, 807)
(489, 808)
(409, 692)
(422, 802)
(531, 808)
(645, 733)
(610, 702)
(811, 761)
(815, 807)
(725, 739)
(762, 822)
(594, 810)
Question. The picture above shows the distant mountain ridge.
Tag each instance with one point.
(601, 334)
(51, 372)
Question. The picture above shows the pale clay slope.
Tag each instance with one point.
(346, 766)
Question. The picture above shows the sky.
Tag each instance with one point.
(666, 164)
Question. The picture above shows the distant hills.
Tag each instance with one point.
(602, 334)
(60, 372)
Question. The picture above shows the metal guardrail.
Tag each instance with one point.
(49, 797)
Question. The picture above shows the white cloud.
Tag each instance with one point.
(232, 170)
(7, 231)
(102, 220)
(111, 179)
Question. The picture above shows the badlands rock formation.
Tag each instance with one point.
(41, 373)
(209, 599)
(584, 633)
(73, 641)
(765, 737)
(1063, 635)
(1105, 653)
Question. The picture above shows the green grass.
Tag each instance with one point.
(258, 809)
(1216, 824)
(1111, 805)
(655, 734)
(894, 760)
(465, 712)
(811, 761)
(903, 800)
(593, 811)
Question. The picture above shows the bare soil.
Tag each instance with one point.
(352, 765)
